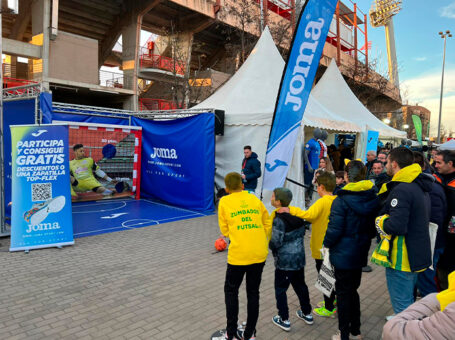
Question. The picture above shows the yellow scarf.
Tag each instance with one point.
(396, 255)
(381, 255)
(446, 297)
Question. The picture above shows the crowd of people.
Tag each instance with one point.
(393, 198)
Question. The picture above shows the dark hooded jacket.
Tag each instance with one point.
(447, 259)
(438, 210)
(251, 168)
(407, 202)
(380, 179)
(287, 242)
(351, 225)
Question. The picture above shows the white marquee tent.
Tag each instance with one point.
(450, 145)
(347, 105)
(248, 99)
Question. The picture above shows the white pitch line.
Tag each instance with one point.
(100, 210)
(144, 221)
(171, 207)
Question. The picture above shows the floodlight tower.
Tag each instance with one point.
(381, 14)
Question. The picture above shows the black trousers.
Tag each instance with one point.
(346, 285)
(234, 278)
(296, 278)
(328, 301)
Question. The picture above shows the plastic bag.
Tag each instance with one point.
(433, 232)
(326, 277)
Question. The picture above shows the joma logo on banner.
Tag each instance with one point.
(300, 72)
(42, 226)
(164, 153)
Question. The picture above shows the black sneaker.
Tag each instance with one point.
(283, 324)
(307, 318)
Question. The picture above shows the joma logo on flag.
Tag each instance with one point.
(303, 63)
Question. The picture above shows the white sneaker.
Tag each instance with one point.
(389, 317)
(39, 212)
(336, 336)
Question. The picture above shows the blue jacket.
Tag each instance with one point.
(438, 211)
(446, 261)
(287, 242)
(252, 171)
(351, 225)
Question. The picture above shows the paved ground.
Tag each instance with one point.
(160, 282)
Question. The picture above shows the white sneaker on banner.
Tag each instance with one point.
(40, 211)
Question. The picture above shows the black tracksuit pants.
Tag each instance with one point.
(234, 278)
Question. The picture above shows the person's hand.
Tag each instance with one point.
(283, 210)
(243, 176)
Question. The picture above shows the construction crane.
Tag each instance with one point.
(381, 14)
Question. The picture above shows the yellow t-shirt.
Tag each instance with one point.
(318, 215)
(244, 219)
(83, 168)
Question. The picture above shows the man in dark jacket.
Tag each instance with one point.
(405, 216)
(378, 174)
(445, 166)
(371, 157)
(348, 237)
(251, 169)
(426, 280)
(287, 248)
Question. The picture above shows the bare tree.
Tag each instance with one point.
(248, 16)
(281, 32)
(190, 82)
(187, 83)
(446, 132)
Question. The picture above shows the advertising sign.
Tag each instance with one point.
(306, 50)
(178, 160)
(372, 142)
(41, 198)
(418, 127)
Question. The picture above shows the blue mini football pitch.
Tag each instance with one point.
(99, 217)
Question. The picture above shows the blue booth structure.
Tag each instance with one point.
(177, 162)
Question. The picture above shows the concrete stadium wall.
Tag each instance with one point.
(74, 58)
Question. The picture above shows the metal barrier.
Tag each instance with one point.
(147, 104)
(149, 60)
(111, 79)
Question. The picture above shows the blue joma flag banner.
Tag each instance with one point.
(41, 196)
(298, 77)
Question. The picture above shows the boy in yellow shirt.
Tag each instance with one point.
(318, 215)
(244, 219)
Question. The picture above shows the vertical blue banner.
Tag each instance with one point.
(15, 112)
(41, 198)
(306, 50)
(45, 104)
(178, 160)
(372, 142)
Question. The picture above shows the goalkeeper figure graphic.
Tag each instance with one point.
(82, 170)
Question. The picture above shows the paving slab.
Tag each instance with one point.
(159, 282)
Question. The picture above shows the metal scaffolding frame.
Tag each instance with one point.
(126, 114)
(24, 92)
(32, 91)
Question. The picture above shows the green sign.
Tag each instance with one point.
(418, 127)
